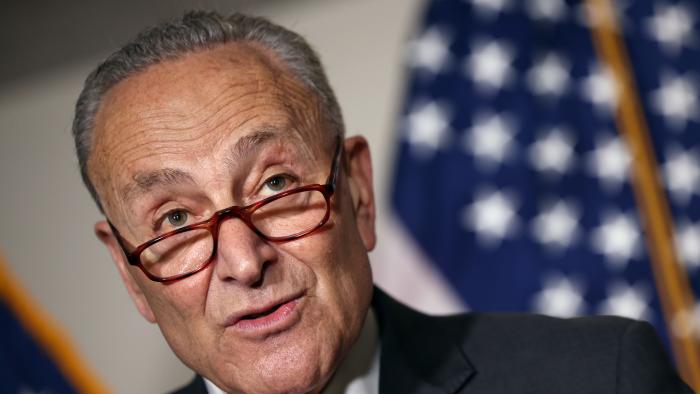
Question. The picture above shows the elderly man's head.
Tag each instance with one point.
(185, 126)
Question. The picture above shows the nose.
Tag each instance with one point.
(241, 256)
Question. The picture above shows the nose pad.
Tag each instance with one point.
(241, 254)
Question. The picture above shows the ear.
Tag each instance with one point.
(359, 174)
(104, 233)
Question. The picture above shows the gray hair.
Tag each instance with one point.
(197, 31)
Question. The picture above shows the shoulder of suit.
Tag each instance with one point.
(519, 327)
(524, 331)
(587, 348)
(507, 330)
(514, 350)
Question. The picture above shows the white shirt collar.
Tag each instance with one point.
(358, 373)
(212, 388)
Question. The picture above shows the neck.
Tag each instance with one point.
(358, 369)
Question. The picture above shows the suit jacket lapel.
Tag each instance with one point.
(419, 353)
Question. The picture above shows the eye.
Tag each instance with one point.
(177, 218)
(276, 183)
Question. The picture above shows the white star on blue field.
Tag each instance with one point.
(512, 175)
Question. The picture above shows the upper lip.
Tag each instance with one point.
(236, 317)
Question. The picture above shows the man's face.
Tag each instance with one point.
(185, 138)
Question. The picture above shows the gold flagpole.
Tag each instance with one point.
(47, 334)
(671, 280)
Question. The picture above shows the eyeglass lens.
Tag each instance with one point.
(188, 251)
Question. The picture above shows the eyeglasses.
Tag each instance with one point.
(285, 216)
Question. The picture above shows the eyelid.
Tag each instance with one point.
(259, 193)
(158, 220)
(291, 177)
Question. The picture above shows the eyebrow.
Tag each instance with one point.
(250, 143)
(144, 182)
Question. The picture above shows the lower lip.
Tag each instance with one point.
(277, 320)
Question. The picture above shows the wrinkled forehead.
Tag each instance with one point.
(201, 99)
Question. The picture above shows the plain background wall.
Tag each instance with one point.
(46, 216)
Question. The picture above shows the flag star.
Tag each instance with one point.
(682, 174)
(553, 153)
(430, 51)
(492, 216)
(672, 27)
(557, 226)
(687, 322)
(550, 76)
(490, 139)
(676, 99)
(610, 162)
(546, 10)
(559, 297)
(427, 128)
(618, 239)
(627, 301)
(490, 65)
(601, 89)
(490, 8)
(688, 244)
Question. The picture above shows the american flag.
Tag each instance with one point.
(512, 176)
(35, 355)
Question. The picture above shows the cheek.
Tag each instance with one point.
(179, 310)
(343, 281)
(179, 304)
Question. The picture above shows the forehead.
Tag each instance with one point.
(191, 91)
(193, 104)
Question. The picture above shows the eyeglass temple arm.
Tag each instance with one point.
(121, 241)
(333, 176)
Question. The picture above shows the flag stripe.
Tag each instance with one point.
(672, 283)
(47, 334)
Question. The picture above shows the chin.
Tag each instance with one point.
(296, 369)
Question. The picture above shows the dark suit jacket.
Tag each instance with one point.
(514, 354)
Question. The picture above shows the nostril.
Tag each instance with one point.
(261, 278)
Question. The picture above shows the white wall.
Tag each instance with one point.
(46, 216)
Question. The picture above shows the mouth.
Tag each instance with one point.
(271, 318)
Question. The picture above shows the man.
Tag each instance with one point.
(240, 221)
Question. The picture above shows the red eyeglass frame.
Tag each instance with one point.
(213, 224)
